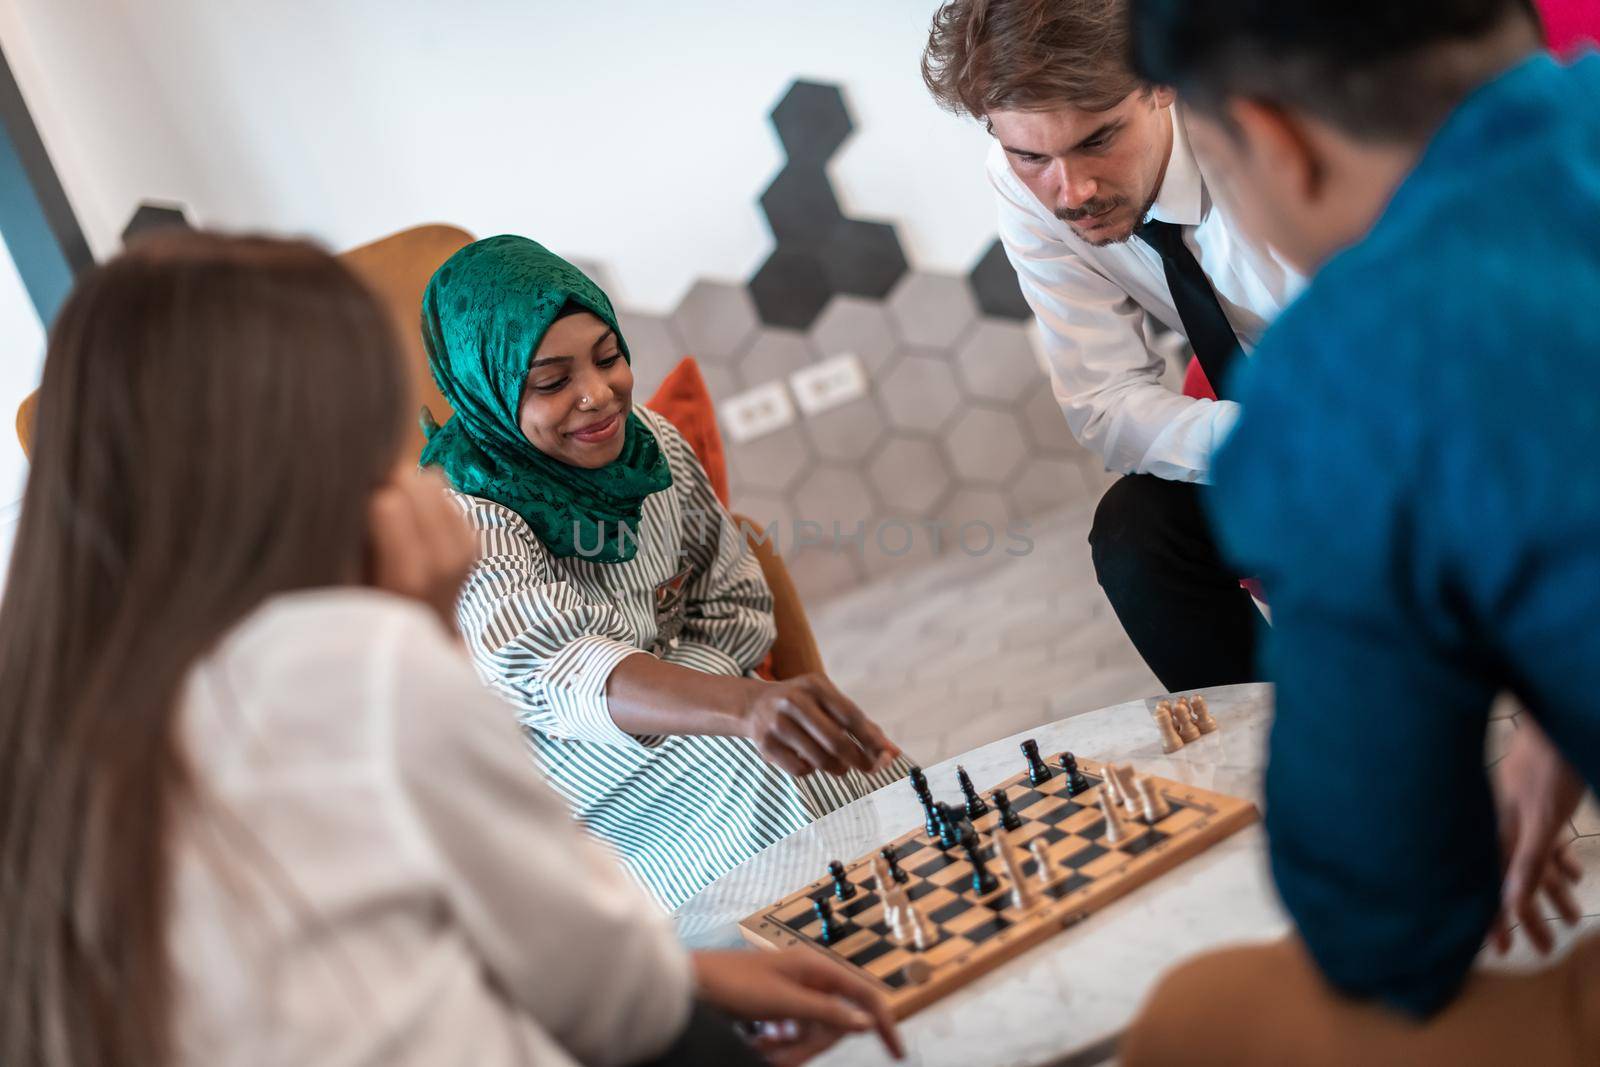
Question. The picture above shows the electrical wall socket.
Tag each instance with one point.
(821, 386)
(757, 412)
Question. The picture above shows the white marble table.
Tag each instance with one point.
(1066, 1001)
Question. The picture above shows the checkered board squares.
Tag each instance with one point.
(972, 932)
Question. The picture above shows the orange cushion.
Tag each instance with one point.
(684, 401)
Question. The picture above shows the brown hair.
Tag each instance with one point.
(991, 55)
(214, 415)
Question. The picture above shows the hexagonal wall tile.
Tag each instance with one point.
(1043, 422)
(151, 216)
(1044, 484)
(722, 382)
(790, 289)
(800, 207)
(919, 392)
(855, 325)
(847, 433)
(994, 283)
(932, 310)
(812, 121)
(770, 512)
(820, 574)
(772, 462)
(996, 362)
(653, 349)
(985, 446)
(832, 494)
(910, 476)
(975, 521)
(714, 320)
(863, 258)
(774, 355)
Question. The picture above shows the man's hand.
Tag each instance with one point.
(1536, 792)
(805, 724)
(418, 544)
(805, 1002)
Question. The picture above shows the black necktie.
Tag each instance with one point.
(1203, 321)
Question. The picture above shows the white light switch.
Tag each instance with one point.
(836, 380)
(757, 412)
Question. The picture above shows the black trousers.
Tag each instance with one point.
(710, 1038)
(1179, 603)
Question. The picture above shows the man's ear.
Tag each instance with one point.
(1281, 145)
(1163, 95)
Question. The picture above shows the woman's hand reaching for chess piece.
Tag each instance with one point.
(1536, 792)
(804, 1003)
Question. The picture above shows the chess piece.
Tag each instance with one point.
(832, 929)
(885, 888)
(1008, 818)
(916, 972)
(1128, 779)
(892, 859)
(1202, 714)
(930, 818)
(983, 880)
(1038, 770)
(1023, 895)
(1110, 783)
(843, 887)
(950, 820)
(1041, 861)
(1171, 741)
(918, 930)
(976, 808)
(1154, 804)
(1184, 721)
(1076, 782)
(1108, 807)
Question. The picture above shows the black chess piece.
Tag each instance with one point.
(832, 928)
(1076, 782)
(892, 858)
(950, 820)
(976, 808)
(983, 880)
(843, 888)
(930, 818)
(1008, 818)
(1038, 770)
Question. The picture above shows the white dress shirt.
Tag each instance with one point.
(372, 871)
(1095, 307)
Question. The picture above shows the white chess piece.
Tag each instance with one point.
(1108, 808)
(1041, 861)
(1022, 894)
(1155, 805)
(1130, 797)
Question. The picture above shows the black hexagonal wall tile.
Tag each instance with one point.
(790, 289)
(812, 122)
(863, 258)
(994, 283)
(800, 206)
(152, 216)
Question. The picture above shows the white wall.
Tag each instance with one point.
(630, 132)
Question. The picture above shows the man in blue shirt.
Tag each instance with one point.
(1412, 478)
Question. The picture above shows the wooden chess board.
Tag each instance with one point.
(973, 934)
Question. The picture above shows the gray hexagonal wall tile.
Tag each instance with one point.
(653, 349)
(985, 511)
(769, 512)
(847, 433)
(832, 494)
(812, 121)
(863, 258)
(897, 544)
(932, 310)
(820, 575)
(1044, 423)
(919, 392)
(722, 382)
(800, 208)
(774, 355)
(996, 362)
(714, 320)
(790, 289)
(1044, 484)
(773, 462)
(994, 283)
(910, 476)
(985, 446)
(856, 325)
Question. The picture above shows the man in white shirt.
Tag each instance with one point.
(1116, 238)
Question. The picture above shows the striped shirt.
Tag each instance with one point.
(546, 632)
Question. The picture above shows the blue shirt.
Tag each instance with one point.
(1414, 478)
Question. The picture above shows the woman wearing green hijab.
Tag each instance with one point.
(615, 603)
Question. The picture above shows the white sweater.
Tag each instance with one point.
(374, 872)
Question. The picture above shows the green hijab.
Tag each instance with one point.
(483, 315)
